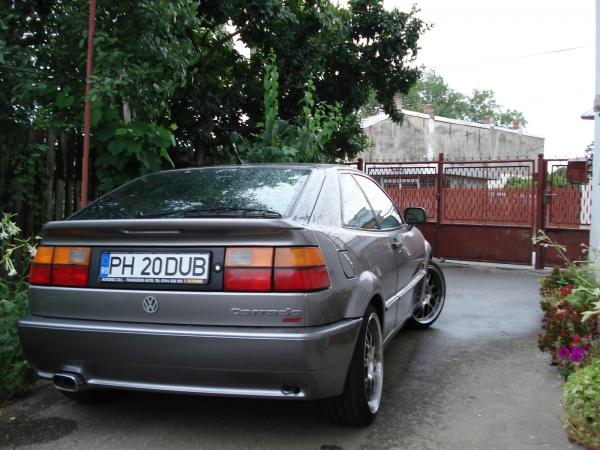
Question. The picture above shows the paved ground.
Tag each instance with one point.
(474, 381)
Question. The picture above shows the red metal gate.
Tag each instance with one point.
(566, 213)
(489, 210)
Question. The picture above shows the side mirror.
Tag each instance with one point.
(414, 216)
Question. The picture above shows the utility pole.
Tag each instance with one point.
(87, 109)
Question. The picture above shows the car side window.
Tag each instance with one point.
(356, 211)
(384, 209)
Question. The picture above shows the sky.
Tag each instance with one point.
(478, 44)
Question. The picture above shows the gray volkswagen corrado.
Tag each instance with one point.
(278, 281)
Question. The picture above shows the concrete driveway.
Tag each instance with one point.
(474, 381)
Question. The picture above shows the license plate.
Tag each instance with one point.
(157, 268)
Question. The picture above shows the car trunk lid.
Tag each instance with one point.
(205, 304)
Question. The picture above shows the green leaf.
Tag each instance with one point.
(63, 100)
(116, 146)
(106, 131)
(95, 116)
(134, 147)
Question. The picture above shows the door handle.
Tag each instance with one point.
(396, 245)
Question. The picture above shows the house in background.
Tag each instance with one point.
(422, 136)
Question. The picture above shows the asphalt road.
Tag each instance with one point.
(474, 381)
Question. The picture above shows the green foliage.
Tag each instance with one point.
(581, 399)
(132, 149)
(282, 141)
(164, 62)
(568, 298)
(15, 255)
(433, 89)
(348, 52)
(558, 178)
(16, 375)
(518, 182)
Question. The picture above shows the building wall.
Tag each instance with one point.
(421, 137)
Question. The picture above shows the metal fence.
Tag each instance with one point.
(493, 205)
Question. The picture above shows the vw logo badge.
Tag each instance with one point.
(150, 304)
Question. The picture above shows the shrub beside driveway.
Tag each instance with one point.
(16, 375)
(571, 335)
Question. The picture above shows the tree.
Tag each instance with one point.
(432, 89)
(447, 102)
(282, 141)
(170, 86)
(350, 53)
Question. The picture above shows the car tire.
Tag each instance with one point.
(360, 401)
(91, 396)
(430, 306)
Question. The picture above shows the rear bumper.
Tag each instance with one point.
(303, 362)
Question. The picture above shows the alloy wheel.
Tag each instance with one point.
(373, 363)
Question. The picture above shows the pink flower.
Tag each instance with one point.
(564, 352)
(577, 354)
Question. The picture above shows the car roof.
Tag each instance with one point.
(318, 166)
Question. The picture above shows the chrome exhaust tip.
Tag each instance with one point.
(69, 382)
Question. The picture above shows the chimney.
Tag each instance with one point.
(516, 125)
(398, 102)
(428, 109)
(487, 120)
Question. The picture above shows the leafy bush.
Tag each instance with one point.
(15, 373)
(15, 255)
(284, 141)
(581, 400)
(561, 325)
(570, 296)
(577, 351)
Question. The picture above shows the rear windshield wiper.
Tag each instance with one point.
(213, 212)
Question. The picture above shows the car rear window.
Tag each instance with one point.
(273, 189)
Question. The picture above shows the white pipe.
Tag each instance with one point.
(595, 223)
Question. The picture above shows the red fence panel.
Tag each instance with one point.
(564, 208)
(488, 206)
(488, 209)
(408, 184)
(422, 198)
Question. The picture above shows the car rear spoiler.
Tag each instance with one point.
(192, 231)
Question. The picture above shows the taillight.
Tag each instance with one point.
(248, 269)
(299, 269)
(280, 269)
(40, 272)
(60, 266)
(257, 280)
(302, 280)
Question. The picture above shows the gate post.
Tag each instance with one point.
(438, 205)
(360, 164)
(539, 208)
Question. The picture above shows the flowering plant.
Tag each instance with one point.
(560, 324)
(575, 351)
(14, 251)
(15, 256)
(565, 291)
